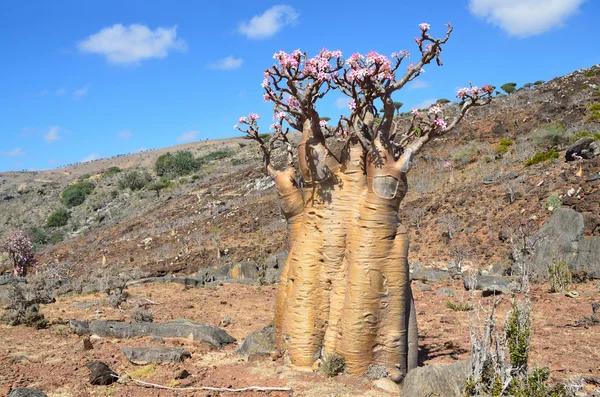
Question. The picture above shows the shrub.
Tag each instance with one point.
(585, 134)
(595, 109)
(559, 276)
(509, 88)
(58, 218)
(518, 333)
(503, 146)
(465, 154)
(157, 187)
(180, 163)
(553, 201)
(134, 179)
(24, 304)
(20, 252)
(218, 155)
(459, 306)
(592, 73)
(332, 364)
(236, 161)
(539, 157)
(552, 136)
(75, 194)
(111, 171)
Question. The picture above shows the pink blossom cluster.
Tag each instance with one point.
(352, 105)
(279, 116)
(416, 112)
(435, 109)
(440, 123)
(374, 65)
(323, 123)
(403, 54)
(424, 27)
(252, 117)
(275, 127)
(474, 92)
(20, 251)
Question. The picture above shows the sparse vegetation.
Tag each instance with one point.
(503, 146)
(585, 134)
(595, 109)
(459, 306)
(58, 218)
(134, 179)
(157, 187)
(551, 137)
(111, 171)
(540, 157)
(553, 202)
(180, 163)
(465, 154)
(217, 155)
(332, 364)
(75, 194)
(559, 276)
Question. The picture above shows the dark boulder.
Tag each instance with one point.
(576, 148)
(147, 355)
(101, 374)
(258, 342)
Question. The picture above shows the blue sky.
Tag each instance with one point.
(88, 79)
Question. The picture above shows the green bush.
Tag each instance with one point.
(585, 134)
(518, 333)
(509, 88)
(592, 73)
(503, 146)
(180, 163)
(111, 171)
(75, 194)
(134, 179)
(559, 276)
(466, 153)
(236, 161)
(39, 237)
(539, 82)
(58, 218)
(552, 136)
(218, 155)
(535, 384)
(595, 109)
(540, 157)
(553, 201)
(459, 306)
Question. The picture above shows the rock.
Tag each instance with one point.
(592, 178)
(147, 355)
(18, 359)
(26, 392)
(7, 280)
(185, 281)
(183, 374)
(85, 305)
(101, 374)
(248, 269)
(157, 339)
(6, 283)
(431, 275)
(423, 287)
(490, 285)
(387, 385)
(87, 344)
(488, 180)
(446, 380)
(586, 258)
(80, 327)
(557, 240)
(594, 148)
(576, 148)
(173, 329)
(446, 292)
(258, 342)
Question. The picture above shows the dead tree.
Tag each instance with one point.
(345, 287)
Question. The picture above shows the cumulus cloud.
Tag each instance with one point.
(13, 153)
(132, 44)
(269, 22)
(91, 157)
(342, 103)
(60, 91)
(53, 134)
(189, 136)
(81, 92)
(125, 134)
(228, 63)
(524, 18)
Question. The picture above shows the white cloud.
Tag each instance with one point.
(132, 44)
(81, 92)
(13, 153)
(53, 134)
(228, 63)
(269, 22)
(125, 134)
(342, 103)
(189, 136)
(91, 157)
(425, 104)
(43, 93)
(525, 17)
(418, 84)
(60, 91)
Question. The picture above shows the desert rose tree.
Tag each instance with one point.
(20, 253)
(345, 287)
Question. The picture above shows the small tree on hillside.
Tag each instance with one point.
(397, 106)
(334, 297)
(509, 88)
(20, 253)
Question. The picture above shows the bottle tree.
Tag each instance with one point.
(345, 287)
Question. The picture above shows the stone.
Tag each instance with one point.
(423, 287)
(87, 344)
(80, 327)
(446, 380)
(85, 305)
(490, 285)
(576, 148)
(147, 355)
(593, 178)
(594, 148)
(157, 339)
(247, 269)
(557, 240)
(215, 336)
(430, 275)
(586, 258)
(387, 385)
(18, 359)
(258, 342)
(446, 292)
(26, 392)
(101, 374)
(488, 180)
(183, 374)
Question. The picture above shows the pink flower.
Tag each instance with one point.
(266, 97)
(447, 164)
(253, 117)
(462, 93)
(235, 127)
(275, 127)
(435, 109)
(424, 27)
(323, 123)
(242, 120)
(279, 116)
(416, 112)
(265, 83)
(440, 123)
(352, 105)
